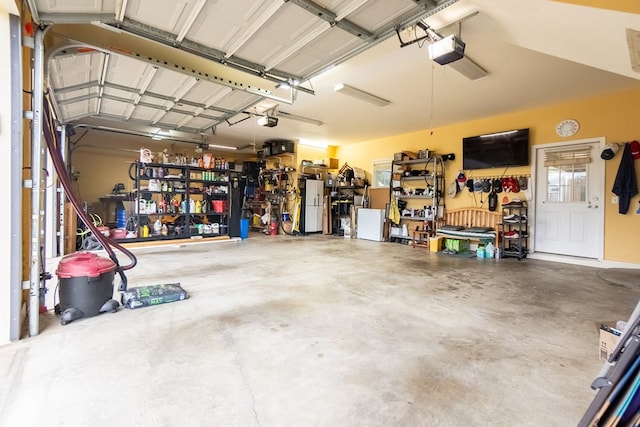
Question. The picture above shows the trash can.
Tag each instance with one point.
(244, 228)
(85, 286)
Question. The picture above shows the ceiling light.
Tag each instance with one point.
(361, 95)
(268, 121)
(317, 144)
(446, 50)
(224, 147)
(285, 115)
(469, 69)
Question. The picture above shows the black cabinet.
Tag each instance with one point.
(342, 200)
(514, 230)
(179, 201)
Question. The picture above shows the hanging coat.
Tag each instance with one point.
(394, 212)
(625, 186)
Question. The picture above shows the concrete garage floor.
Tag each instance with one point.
(323, 331)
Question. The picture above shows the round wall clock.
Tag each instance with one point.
(567, 127)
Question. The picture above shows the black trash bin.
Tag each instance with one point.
(85, 286)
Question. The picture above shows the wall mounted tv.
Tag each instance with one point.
(500, 149)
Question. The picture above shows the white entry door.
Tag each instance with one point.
(569, 192)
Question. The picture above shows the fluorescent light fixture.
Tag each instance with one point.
(316, 144)
(361, 95)
(489, 135)
(297, 118)
(446, 50)
(469, 69)
(224, 147)
(156, 137)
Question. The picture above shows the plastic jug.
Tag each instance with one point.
(489, 250)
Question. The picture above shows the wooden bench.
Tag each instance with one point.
(471, 217)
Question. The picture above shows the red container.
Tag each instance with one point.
(219, 205)
(273, 228)
(118, 233)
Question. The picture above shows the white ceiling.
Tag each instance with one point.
(536, 52)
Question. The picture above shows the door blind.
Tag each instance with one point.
(573, 157)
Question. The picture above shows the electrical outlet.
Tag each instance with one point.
(614, 200)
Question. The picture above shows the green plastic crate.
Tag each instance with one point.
(458, 245)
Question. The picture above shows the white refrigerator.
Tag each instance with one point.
(370, 224)
(313, 201)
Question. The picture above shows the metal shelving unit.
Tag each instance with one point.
(417, 203)
(514, 227)
(192, 201)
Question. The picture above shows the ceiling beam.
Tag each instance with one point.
(403, 22)
(190, 20)
(214, 55)
(332, 19)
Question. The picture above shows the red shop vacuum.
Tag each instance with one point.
(85, 286)
(85, 279)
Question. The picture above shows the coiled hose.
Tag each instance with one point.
(54, 146)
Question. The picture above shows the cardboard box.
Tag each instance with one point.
(609, 337)
(436, 244)
(409, 155)
(330, 163)
(458, 245)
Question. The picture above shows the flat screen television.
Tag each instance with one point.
(500, 149)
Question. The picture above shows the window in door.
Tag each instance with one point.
(567, 175)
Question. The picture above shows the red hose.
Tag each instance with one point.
(108, 244)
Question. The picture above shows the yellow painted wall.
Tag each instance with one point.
(613, 116)
(629, 6)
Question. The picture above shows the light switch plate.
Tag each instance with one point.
(614, 200)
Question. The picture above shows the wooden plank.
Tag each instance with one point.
(70, 228)
(149, 243)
